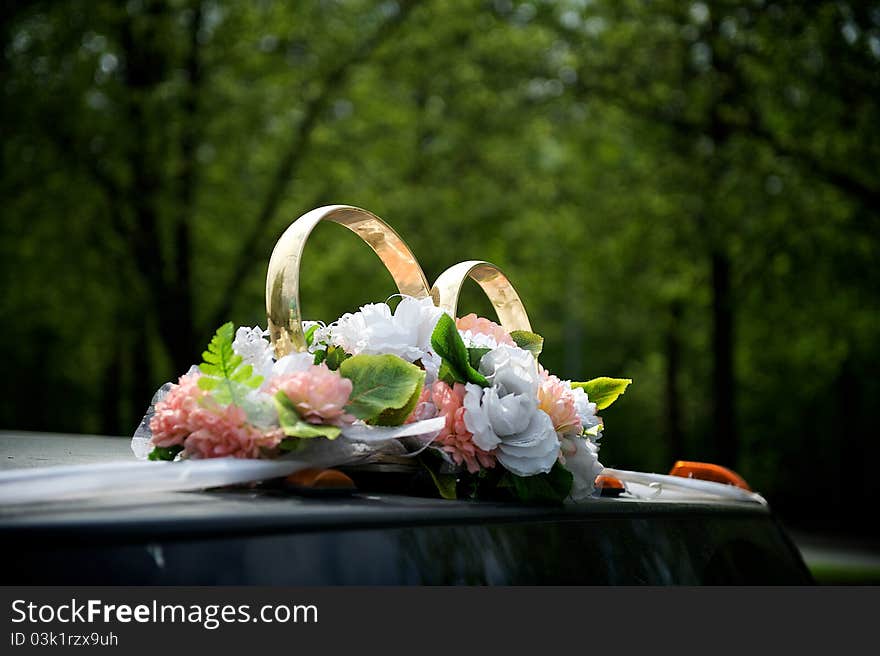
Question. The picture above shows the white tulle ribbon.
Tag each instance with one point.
(663, 486)
(359, 443)
(427, 428)
(48, 484)
(425, 431)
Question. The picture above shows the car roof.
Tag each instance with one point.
(271, 509)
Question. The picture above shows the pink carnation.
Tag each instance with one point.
(224, 431)
(320, 395)
(171, 422)
(425, 408)
(481, 326)
(188, 416)
(455, 439)
(557, 400)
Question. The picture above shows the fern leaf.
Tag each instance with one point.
(224, 372)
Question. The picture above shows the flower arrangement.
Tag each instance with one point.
(464, 398)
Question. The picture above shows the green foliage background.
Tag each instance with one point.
(685, 194)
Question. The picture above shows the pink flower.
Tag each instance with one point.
(425, 408)
(320, 395)
(171, 422)
(188, 416)
(223, 431)
(481, 326)
(557, 400)
(455, 439)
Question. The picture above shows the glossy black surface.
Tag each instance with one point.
(272, 537)
(397, 541)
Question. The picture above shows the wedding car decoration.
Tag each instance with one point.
(407, 381)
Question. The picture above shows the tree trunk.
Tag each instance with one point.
(183, 342)
(674, 438)
(142, 386)
(852, 454)
(722, 358)
(164, 271)
(111, 384)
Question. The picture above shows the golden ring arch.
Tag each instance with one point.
(283, 307)
(507, 303)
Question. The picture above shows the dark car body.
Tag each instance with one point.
(269, 536)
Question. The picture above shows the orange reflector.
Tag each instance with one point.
(609, 481)
(609, 486)
(320, 479)
(706, 471)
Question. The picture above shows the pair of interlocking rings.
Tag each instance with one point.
(282, 280)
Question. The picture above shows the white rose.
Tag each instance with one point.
(583, 462)
(523, 436)
(513, 370)
(491, 417)
(586, 410)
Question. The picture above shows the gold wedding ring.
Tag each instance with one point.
(282, 280)
(508, 306)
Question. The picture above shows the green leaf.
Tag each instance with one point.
(552, 487)
(483, 484)
(531, 342)
(224, 374)
(396, 417)
(506, 481)
(594, 431)
(448, 375)
(208, 383)
(447, 343)
(475, 355)
(291, 444)
(604, 391)
(381, 384)
(445, 483)
(320, 356)
(220, 358)
(293, 424)
(310, 335)
(335, 356)
(165, 452)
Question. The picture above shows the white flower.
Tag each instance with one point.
(581, 453)
(260, 409)
(321, 336)
(292, 363)
(523, 436)
(431, 362)
(583, 462)
(251, 344)
(491, 416)
(478, 340)
(375, 330)
(506, 417)
(513, 370)
(417, 317)
(586, 411)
